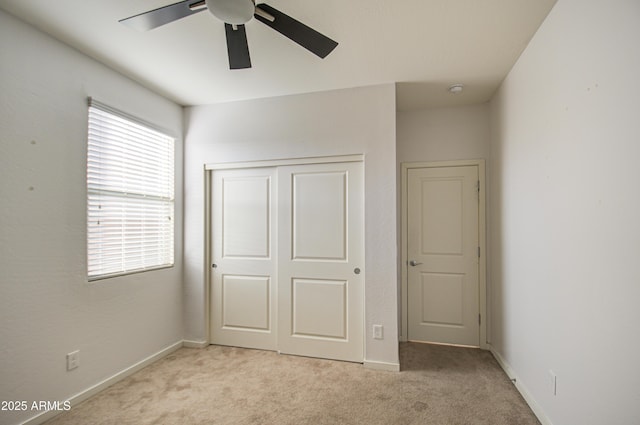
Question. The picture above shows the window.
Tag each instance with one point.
(130, 194)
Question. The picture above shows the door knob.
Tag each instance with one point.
(413, 263)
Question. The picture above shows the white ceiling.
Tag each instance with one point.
(424, 45)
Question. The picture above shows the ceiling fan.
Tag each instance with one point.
(234, 14)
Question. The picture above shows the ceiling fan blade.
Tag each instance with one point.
(154, 18)
(237, 47)
(305, 36)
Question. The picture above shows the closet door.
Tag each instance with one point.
(244, 257)
(288, 250)
(321, 260)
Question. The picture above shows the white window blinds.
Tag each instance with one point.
(130, 190)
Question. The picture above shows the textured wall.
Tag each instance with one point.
(319, 124)
(442, 134)
(47, 308)
(565, 207)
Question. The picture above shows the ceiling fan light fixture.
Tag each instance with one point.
(235, 12)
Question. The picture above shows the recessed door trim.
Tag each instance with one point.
(482, 264)
(208, 213)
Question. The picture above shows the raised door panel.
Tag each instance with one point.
(319, 308)
(246, 302)
(319, 214)
(441, 298)
(246, 229)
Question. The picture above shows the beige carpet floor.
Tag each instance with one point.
(437, 385)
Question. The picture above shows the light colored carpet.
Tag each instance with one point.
(437, 385)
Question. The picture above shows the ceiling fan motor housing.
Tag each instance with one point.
(235, 12)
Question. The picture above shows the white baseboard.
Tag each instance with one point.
(83, 395)
(391, 367)
(194, 344)
(535, 407)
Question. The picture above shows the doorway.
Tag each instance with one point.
(287, 257)
(443, 259)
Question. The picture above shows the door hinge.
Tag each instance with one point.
(479, 319)
(478, 252)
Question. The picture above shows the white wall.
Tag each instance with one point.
(440, 134)
(47, 308)
(565, 214)
(338, 122)
(443, 134)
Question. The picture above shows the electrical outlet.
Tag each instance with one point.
(73, 360)
(553, 383)
(377, 332)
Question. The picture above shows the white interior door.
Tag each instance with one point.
(442, 252)
(244, 280)
(286, 243)
(321, 261)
